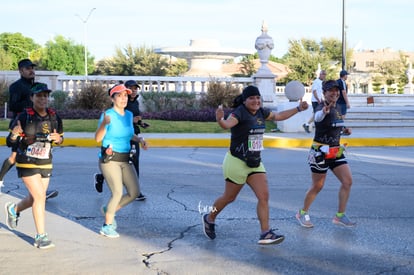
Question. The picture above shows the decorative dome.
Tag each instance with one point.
(294, 90)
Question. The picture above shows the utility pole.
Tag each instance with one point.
(343, 37)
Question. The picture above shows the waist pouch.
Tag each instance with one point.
(119, 157)
(333, 152)
(329, 152)
(252, 160)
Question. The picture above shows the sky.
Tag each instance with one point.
(370, 24)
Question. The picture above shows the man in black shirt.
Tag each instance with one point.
(343, 100)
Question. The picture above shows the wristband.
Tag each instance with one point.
(297, 108)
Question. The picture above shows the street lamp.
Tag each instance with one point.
(343, 37)
(85, 22)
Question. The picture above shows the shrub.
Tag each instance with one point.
(220, 93)
(91, 97)
(59, 99)
(79, 114)
(204, 115)
(168, 101)
(4, 92)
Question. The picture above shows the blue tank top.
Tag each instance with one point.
(119, 132)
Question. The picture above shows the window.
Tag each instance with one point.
(369, 64)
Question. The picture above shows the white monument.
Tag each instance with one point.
(264, 79)
(204, 56)
(410, 73)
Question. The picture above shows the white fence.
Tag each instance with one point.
(71, 84)
(60, 81)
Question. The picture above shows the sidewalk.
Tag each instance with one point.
(80, 250)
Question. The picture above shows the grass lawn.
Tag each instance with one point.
(157, 126)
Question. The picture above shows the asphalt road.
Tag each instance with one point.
(163, 234)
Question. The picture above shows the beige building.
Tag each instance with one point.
(364, 63)
(368, 60)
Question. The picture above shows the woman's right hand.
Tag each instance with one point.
(327, 107)
(106, 119)
(219, 113)
(17, 130)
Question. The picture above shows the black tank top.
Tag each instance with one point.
(328, 131)
(247, 135)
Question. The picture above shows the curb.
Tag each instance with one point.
(269, 142)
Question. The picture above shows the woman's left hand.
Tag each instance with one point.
(55, 136)
(144, 144)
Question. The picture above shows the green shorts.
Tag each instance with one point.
(236, 170)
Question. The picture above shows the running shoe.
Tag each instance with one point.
(103, 211)
(109, 231)
(344, 221)
(304, 219)
(306, 127)
(141, 197)
(270, 237)
(98, 181)
(11, 216)
(208, 228)
(51, 194)
(43, 242)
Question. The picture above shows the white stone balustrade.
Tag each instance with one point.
(59, 81)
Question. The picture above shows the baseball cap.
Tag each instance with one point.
(118, 89)
(343, 73)
(330, 84)
(38, 87)
(25, 63)
(131, 83)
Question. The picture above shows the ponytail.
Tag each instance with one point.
(237, 101)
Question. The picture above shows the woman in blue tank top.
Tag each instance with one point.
(115, 131)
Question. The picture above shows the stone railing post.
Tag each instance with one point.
(264, 79)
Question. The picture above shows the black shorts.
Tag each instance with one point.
(343, 108)
(323, 168)
(27, 172)
(314, 105)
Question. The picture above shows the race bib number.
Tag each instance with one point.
(38, 150)
(255, 143)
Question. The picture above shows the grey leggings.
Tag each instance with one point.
(117, 175)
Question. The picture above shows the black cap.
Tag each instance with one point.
(38, 87)
(25, 63)
(131, 83)
(250, 91)
(343, 73)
